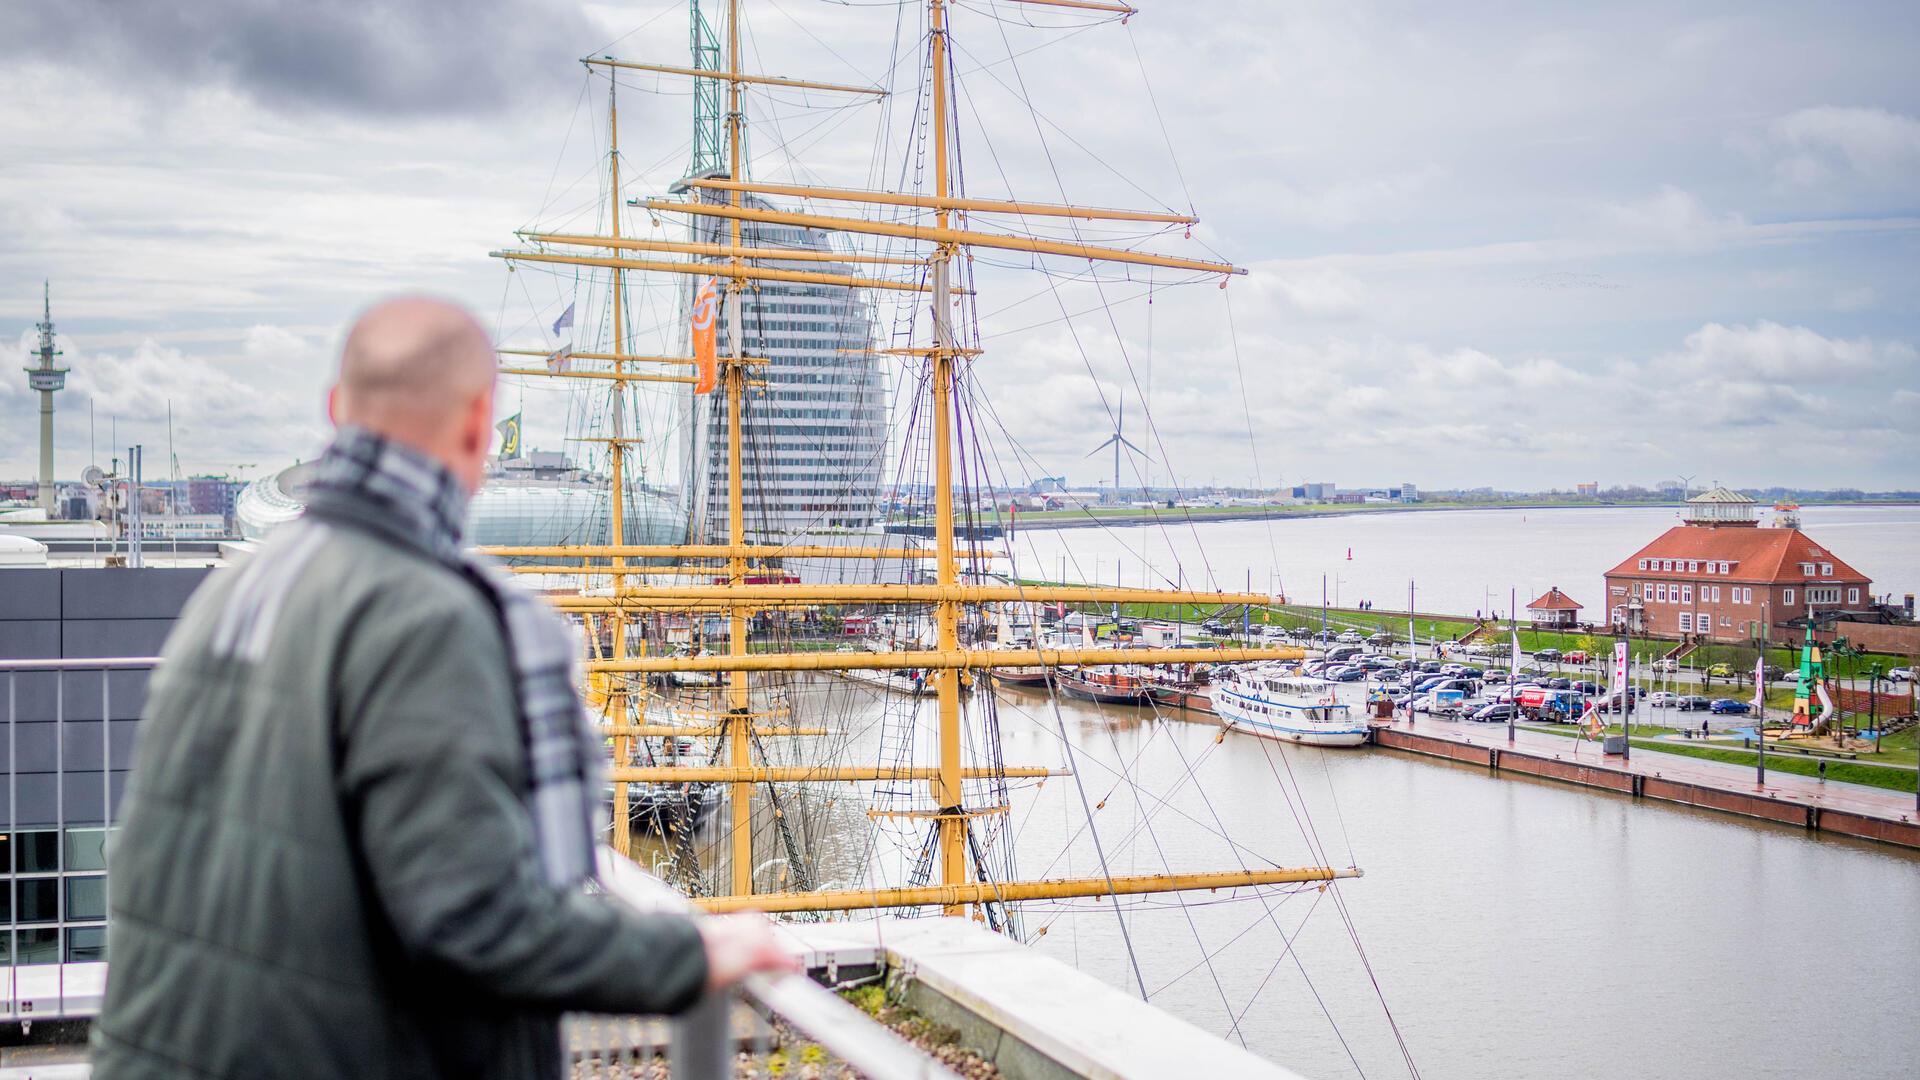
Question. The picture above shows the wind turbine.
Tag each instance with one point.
(1117, 440)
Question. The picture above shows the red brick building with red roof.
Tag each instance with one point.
(1722, 577)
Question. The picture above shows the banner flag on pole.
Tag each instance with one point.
(565, 321)
(706, 305)
(509, 436)
(560, 359)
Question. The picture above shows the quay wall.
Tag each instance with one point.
(1904, 833)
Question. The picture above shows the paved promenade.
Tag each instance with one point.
(1785, 787)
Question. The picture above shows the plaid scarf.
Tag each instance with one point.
(400, 493)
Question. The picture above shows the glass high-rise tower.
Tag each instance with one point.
(814, 439)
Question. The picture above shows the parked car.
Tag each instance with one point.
(1693, 703)
(1773, 672)
(1589, 688)
(1727, 706)
(1547, 656)
(1341, 654)
(1323, 635)
(1577, 656)
(1495, 676)
(1428, 665)
(1453, 669)
(1611, 703)
(1558, 682)
(1349, 638)
(1720, 671)
(1666, 664)
(1901, 674)
(1347, 673)
(1381, 639)
(1663, 699)
(1494, 712)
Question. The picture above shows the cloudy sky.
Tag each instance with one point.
(1518, 245)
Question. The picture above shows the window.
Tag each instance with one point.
(1726, 621)
(38, 899)
(40, 945)
(1643, 564)
(1826, 569)
(1686, 622)
(1786, 596)
(86, 898)
(1660, 592)
(1827, 595)
(36, 852)
(86, 849)
(1853, 596)
(1693, 566)
(1806, 569)
(86, 944)
(1686, 594)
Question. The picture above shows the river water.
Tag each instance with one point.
(1459, 561)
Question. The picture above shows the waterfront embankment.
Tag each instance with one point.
(1814, 804)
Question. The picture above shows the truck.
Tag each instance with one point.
(1551, 706)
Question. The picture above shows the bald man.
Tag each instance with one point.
(361, 822)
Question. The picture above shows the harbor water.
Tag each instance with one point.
(1460, 561)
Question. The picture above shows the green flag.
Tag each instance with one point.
(509, 437)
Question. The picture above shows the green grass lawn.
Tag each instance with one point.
(1853, 772)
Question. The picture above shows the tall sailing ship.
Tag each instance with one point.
(739, 320)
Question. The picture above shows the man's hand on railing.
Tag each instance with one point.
(743, 945)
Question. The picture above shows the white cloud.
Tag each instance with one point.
(1770, 352)
(1872, 143)
(1316, 292)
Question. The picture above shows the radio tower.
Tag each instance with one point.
(47, 379)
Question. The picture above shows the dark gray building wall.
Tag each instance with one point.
(68, 740)
(78, 613)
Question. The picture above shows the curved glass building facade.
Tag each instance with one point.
(506, 511)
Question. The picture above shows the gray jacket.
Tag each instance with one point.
(325, 868)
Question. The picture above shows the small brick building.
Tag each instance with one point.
(1555, 609)
(1721, 576)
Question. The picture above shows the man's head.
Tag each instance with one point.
(420, 372)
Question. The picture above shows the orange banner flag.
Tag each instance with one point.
(706, 305)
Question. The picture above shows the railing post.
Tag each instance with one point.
(702, 1047)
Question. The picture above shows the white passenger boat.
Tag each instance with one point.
(1265, 702)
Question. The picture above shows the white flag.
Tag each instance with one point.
(560, 359)
(564, 321)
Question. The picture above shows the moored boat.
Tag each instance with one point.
(1264, 702)
(1108, 687)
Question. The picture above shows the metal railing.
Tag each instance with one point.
(789, 1025)
(58, 986)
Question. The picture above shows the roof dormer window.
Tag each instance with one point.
(1826, 569)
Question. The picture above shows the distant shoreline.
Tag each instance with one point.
(1043, 519)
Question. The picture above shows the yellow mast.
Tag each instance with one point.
(948, 789)
(622, 744)
(739, 724)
